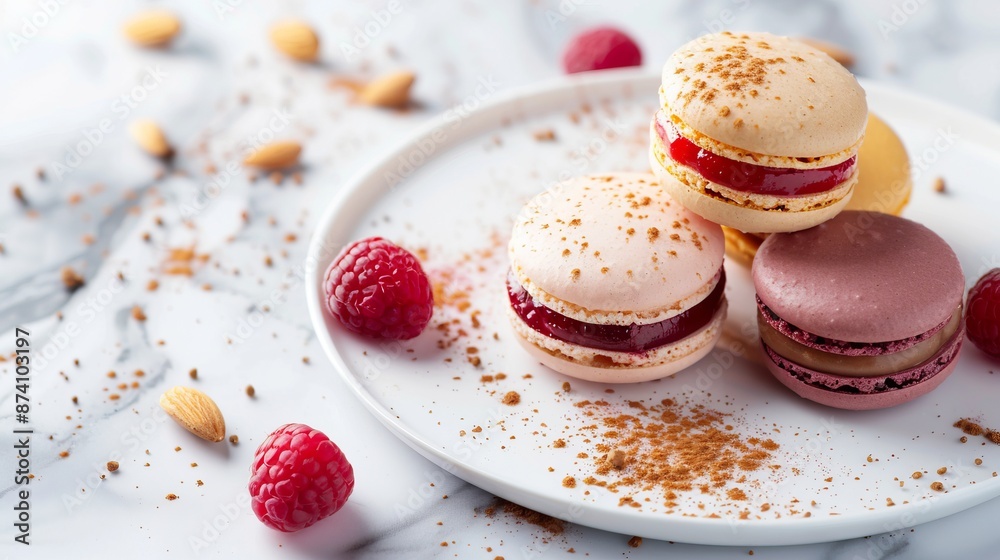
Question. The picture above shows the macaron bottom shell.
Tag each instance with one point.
(591, 364)
(866, 393)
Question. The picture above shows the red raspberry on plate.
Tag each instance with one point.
(378, 289)
(982, 313)
(298, 477)
(600, 48)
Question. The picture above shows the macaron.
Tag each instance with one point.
(758, 132)
(612, 281)
(884, 185)
(861, 312)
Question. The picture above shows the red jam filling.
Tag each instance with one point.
(614, 338)
(747, 177)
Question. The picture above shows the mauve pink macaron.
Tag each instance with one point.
(861, 312)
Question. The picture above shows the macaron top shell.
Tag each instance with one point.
(614, 249)
(766, 94)
(860, 277)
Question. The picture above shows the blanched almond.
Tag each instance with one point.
(391, 90)
(148, 135)
(154, 28)
(276, 155)
(295, 39)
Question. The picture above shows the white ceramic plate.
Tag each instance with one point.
(452, 191)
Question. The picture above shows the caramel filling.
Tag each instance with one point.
(857, 366)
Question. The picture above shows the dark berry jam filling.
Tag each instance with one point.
(614, 338)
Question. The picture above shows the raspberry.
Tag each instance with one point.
(298, 477)
(378, 289)
(600, 48)
(982, 313)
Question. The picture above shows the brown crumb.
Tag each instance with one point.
(635, 542)
(251, 391)
(19, 195)
(234, 439)
(979, 462)
(559, 443)
(193, 374)
(566, 387)
(937, 487)
(942, 470)
(152, 285)
(511, 398)
(916, 475)
(199, 482)
(569, 482)
(618, 459)
(547, 135)
(171, 496)
(71, 279)
(939, 185)
(112, 466)
(138, 314)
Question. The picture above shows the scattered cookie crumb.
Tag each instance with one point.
(171, 496)
(635, 542)
(937, 487)
(112, 466)
(193, 374)
(916, 475)
(234, 439)
(942, 470)
(251, 391)
(511, 398)
(569, 482)
(138, 314)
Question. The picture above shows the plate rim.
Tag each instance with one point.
(786, 531)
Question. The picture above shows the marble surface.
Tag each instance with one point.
(114, 215)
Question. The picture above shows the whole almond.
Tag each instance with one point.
(390, 91)
(154, 28)
(276, 155)
(295, 39)
(148, 135)
(836, 52)
(195, 411)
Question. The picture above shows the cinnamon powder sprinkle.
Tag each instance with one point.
(522, 514)
(670, 446)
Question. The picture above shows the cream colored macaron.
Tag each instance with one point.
(613, 281)
(758, 132)
(884, 185)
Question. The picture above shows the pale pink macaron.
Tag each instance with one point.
(611, 280)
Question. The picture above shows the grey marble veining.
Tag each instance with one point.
(75, 71)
